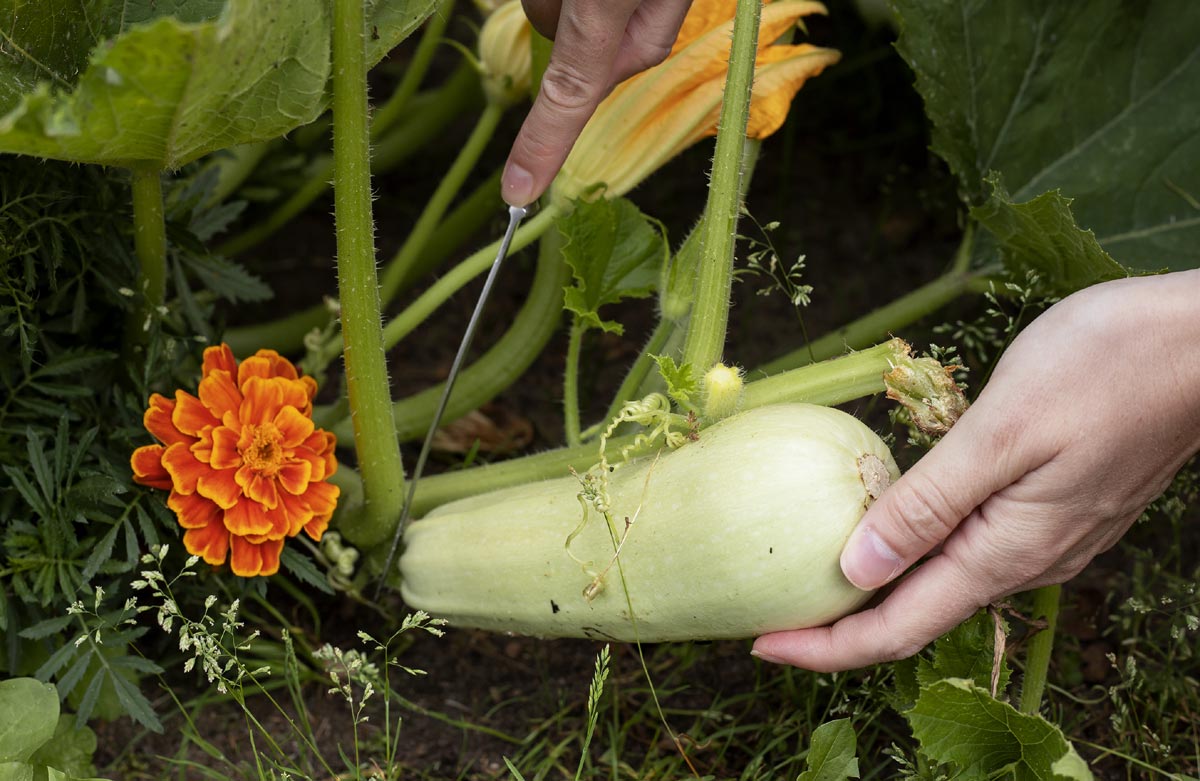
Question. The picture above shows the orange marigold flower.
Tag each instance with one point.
(244, 463)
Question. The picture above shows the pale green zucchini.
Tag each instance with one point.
(734, 535)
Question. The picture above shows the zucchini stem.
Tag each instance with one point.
(705, 342)
(150, 246)
(367, 385)
(571, 383)
(1037, 659)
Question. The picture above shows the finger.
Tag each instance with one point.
(933, 599)
(649, 36)
(978, 457)
(577, 78)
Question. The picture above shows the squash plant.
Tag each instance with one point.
(190, 99)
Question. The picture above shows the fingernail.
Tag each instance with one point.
(766, 657)
(516, 185)
(868, 562)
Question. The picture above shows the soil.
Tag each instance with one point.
(874, 213)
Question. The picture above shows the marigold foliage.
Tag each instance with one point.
(245, 465)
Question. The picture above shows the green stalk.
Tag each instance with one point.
(393, 108)
(1037, 658)
(150, 238)
(705, 342)
(831, 382)
(400, 265)
(889, 318)
(367, 383)
(571, 383)
(427, 118)
(416, 313)
(506, 361)
(287, 333)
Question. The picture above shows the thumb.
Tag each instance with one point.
(921, 509)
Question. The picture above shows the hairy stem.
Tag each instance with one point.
(571, 383)
(150, 238)
(830, 382)
(366, 369)
(1037, 658)
(710, 315)
(400, 265)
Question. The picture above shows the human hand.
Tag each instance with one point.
(599, 43)
(1084, 422)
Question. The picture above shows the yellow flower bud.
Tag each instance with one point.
(723, 386)
(504, 56)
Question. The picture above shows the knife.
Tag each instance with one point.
(515, 215)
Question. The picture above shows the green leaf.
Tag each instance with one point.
(16, 771)
(1040, 235)
(70, 749)
(968, 651)
(615, 252)
(832, 753)
(28, 715)
(305, 571)
(682, 384)
(227, 279)
(957, 721)
(168, 91)
(1086, 103)
(162, 83)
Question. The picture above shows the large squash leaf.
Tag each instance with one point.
(1096, 103)
(162, 82)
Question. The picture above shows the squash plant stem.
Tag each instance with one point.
(705, 341)
(829, 383)
(149, 243)
(571, 383)
(367, 384)
(1037, 659)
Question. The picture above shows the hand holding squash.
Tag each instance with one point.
(1087, 417)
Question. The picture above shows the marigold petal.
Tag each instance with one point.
(247, 517)
(263, 399)
(322, 497)
(296, 511)
(209, 542)
(218, 392)
(317, 526)
(316, 460)
(219, 358)
(225, 453)
(146, 463)
(220, 486)
(295, 394)
(183, 467)
(294, 477)
(310, 387)
(279, 366)
(157, 420)
(263, 490)
(250, 559)
(194, 511)
(294, 426)
(254, 366)
(190, 415)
